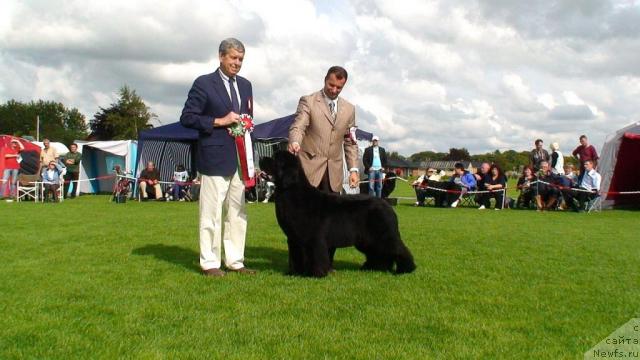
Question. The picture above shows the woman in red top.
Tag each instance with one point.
(11, 167)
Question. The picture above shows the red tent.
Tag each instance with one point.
(619, 168)
(32, 151)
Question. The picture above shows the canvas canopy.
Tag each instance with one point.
(29, 157)
(619, 164)
(173, 144)
(61, 148)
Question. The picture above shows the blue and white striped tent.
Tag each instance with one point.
(173, 144)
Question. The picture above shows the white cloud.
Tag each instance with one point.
(425, 75)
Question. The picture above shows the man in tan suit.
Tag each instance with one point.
(323, 122)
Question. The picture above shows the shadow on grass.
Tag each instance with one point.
(257, 257)
(266, 258)
(187, 258)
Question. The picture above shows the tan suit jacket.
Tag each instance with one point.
(322, 141)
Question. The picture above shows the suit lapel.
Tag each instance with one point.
(221, 90)
(324, 107)
(341, 110)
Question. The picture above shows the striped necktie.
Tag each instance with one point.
(332, 107)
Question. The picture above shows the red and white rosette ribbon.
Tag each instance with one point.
(350, 137)
(242, 137)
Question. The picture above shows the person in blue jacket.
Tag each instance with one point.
(462, 182)
(216, 102)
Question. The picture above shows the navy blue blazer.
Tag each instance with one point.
(208, 99)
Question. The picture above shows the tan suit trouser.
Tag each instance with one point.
(222, 196)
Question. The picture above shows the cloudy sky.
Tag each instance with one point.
(424, 75)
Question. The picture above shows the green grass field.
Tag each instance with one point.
(92, 279)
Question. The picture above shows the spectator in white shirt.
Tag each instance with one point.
(590, 182)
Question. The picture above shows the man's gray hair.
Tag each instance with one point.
(230, 43)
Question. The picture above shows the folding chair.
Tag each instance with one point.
(28, 187)
(469, 199)
(59, 192)
(594, 205)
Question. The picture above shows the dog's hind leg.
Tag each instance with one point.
(377, 262)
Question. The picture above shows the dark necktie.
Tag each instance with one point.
(234, 96)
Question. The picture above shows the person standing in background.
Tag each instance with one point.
(538, 155)
(11, 168)
(48, 154)
(72, 161)
(585, 152)
(557, 159)
(375, 161)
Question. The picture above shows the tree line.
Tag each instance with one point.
(508, 160)
(123, 119)
(129, 114)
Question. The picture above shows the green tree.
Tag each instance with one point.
(457, 154)
(427, 155)
(57, 122)
(394, 155)
(123, 119)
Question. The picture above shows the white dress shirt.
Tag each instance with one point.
(225, 81)
(591, 181)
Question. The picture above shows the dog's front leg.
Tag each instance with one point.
(318, 258)
(296, 257)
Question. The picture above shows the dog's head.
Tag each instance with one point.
(285, 169)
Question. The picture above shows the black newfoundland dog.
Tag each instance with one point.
(316, 224)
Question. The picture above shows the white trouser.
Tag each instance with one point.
(222, 196)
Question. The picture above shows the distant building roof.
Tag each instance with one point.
(398, 163)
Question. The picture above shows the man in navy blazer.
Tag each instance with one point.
(214, 103)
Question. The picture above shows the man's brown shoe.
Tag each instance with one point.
(243, 270)
(213, 272)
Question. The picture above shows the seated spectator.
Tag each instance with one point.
(527, 188)
(590, 181)
(430, 186)
(150, 176)
(548, 191)
(11, 168)
(482, 176)
(180, 179)
(51, 176)
(434, 175)
(495, 183)
(462, 182)
(269, 185)
(569, 173)
(588, 188)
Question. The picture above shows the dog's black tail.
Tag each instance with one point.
(404, 261)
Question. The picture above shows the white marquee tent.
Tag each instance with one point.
(98, 161)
